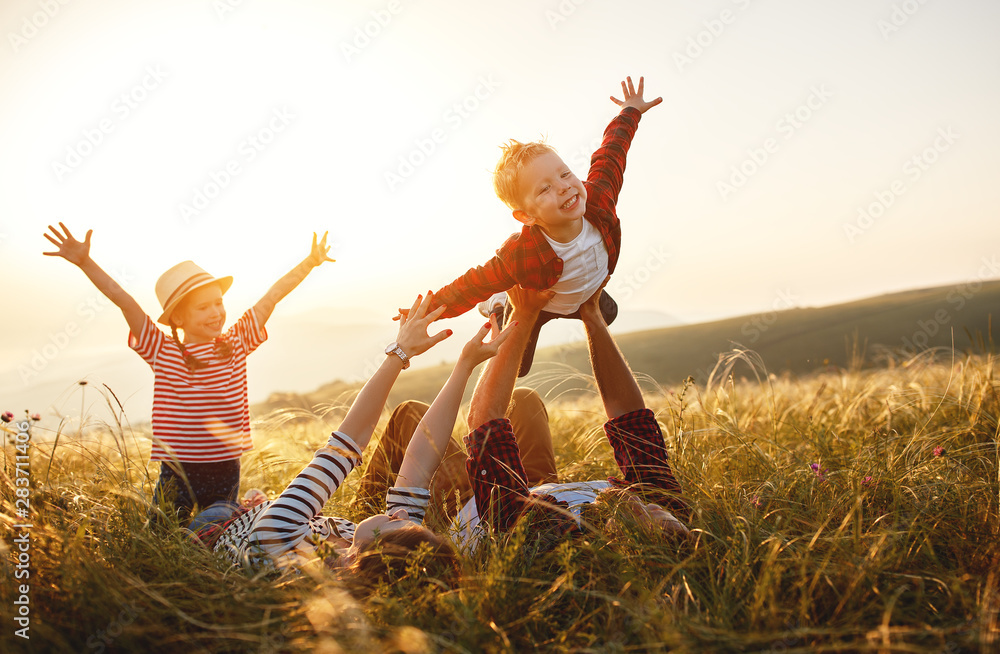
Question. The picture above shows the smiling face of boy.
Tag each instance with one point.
(552, 197)
(201, 314)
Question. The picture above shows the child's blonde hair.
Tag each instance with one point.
(514, 157)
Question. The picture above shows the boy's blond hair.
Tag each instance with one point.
(514, 157)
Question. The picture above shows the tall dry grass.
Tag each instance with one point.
(854, 510)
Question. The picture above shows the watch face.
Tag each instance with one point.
(394, 348)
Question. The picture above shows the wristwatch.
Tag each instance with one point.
(393, 348)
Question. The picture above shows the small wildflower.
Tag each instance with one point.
(7, 416)
(939, 451)
(755, 500)
(36, 416)
(814, 466)
(819, 472)
(866, 481)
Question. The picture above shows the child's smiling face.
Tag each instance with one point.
(552, 197)
(201, 314)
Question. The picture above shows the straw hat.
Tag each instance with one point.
(180, 280)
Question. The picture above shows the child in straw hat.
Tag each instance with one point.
(201, 416)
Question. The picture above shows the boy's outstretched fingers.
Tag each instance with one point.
(632, 96)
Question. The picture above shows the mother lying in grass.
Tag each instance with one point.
(291, 530)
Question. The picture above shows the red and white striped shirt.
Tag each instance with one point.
(200, 416)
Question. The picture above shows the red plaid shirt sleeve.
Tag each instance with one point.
(604, 181)
(497, 474)
(607, 164)
(498, 482)
(478, 283)
(642, 457)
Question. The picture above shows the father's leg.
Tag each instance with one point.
(530, 421)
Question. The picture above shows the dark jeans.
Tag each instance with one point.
(185, 485)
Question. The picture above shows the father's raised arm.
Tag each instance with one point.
(496, 383)
(494, 463)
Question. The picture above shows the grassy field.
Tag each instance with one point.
(800, 341)
(851, 510)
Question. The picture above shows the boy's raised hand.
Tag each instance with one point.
(633, 97)
(68, 247)
(320, 251)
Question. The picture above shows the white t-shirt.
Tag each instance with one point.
(466, 529)
(585, 266)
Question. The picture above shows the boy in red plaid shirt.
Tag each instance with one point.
(571, 235)
(650, 492)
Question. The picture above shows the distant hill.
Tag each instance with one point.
(797, 341)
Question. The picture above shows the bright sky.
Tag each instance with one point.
(227, 131)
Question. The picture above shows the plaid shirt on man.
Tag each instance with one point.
(527, 258)
(502, 495)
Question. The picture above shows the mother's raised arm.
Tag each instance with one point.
(426, 448)
(412, 340)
